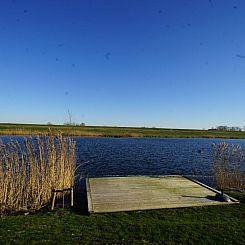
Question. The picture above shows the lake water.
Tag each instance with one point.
(144, 156)
(147, 156)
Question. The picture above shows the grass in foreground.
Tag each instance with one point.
(200, 225)
(102, 131)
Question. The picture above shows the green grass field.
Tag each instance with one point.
(102, 131)
(200, 225)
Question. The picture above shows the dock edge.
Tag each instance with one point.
(89, 197)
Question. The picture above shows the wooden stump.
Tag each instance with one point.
(63, 191)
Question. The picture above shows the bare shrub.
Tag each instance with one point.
(29, 171)
(229, 163)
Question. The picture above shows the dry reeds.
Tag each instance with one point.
(29, 171)
(229, 166)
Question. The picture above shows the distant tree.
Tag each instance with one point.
(69, 121)
(223, 128)
(226, 128)
(69, 117)
(82, 124)
(236, 129)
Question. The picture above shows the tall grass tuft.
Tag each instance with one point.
(30, 171)
(229, 166)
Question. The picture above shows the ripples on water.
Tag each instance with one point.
(144, 156)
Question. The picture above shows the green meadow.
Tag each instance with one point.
(199, 225)
(104, 131)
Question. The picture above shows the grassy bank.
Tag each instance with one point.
(200, 225)
(102, 131)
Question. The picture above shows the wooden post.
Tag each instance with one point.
(63, 196)
(53, 201)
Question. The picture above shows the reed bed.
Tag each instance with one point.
(229, 166)
(12, 132)
(30, 170)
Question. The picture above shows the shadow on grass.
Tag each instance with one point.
(80, 198)
(80, 202)
(209, 197)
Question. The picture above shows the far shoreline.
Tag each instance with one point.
(114, 132)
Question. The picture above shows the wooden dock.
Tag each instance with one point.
(116, 194)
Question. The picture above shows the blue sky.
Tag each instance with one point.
(175, 64)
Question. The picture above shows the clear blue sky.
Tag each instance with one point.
(177, 64)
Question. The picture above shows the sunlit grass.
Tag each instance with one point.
(199, 225)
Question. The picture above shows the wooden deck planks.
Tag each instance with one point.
(144, 192)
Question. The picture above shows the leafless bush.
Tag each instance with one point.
(229, 163)
(29, 171)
